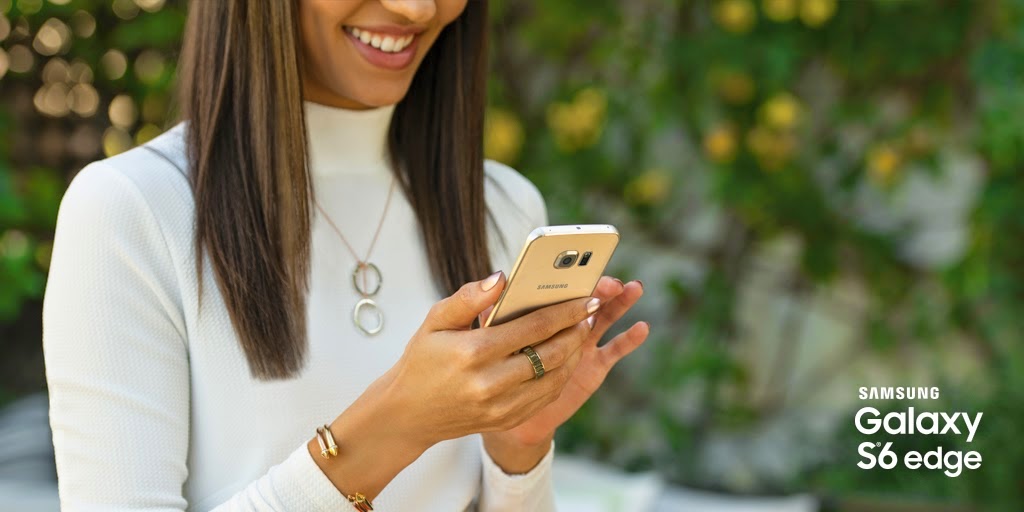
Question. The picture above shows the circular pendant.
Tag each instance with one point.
(372, 306)
(362, 270)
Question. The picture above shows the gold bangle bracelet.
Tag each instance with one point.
(360, 502)
(328, 448)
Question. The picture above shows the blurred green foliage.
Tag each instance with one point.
(779, 116)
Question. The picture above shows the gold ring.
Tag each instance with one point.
(538, 366)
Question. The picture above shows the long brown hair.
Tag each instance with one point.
(241, 93)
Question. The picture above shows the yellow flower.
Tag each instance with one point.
(503, 136)
(814, 13)
(771, 148)
(578, 124)
(779, 10)
(650, 188)
(883, 162)
(735, 87)
(736, 16)
(782, 111)
(720, 144)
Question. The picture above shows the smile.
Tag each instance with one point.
(383, 42)
(384, 49)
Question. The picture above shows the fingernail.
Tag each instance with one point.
(590, 321)
(491, 280)
(617, 280)
(593, 304)
(641, 283)
(648, 324)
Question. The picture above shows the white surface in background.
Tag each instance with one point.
(582, 485)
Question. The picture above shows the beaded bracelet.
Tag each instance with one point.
(328, 449)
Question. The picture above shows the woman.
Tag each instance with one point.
(218, 294)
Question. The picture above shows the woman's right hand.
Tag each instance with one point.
(453, 381)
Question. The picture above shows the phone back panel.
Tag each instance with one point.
(535, 281)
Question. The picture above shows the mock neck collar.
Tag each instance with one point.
(343, 141)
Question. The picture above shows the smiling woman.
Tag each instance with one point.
(214, 319)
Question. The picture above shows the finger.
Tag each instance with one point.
(510, 337)
(574, 360)
(526, 398)
(483, 316)
(613, 310)
(459, 310)
(607, 288)
(621, 345)
(553, 353)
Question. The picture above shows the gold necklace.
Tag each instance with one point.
(363, 271)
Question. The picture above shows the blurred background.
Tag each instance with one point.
(819, 195)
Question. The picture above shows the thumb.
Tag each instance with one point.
(460, 309)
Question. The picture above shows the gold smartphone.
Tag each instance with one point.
(557, 263)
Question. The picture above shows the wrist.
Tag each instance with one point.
(512, 455)
(372, 449)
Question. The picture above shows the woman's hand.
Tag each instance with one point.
(523, 445)
(453, 381)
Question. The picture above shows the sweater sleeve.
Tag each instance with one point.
(532, 490)
(529, 491)
(115, 347)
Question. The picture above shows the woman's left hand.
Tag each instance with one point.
(535, 434)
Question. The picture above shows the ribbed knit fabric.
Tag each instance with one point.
(151, 401)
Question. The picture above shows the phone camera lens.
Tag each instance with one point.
(566, 259)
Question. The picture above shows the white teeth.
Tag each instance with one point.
(384, 43)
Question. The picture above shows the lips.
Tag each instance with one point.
(385, 48)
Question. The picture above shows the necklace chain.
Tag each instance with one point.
(363, 267)
(380, 224)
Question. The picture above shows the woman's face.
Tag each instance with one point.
(363, 53)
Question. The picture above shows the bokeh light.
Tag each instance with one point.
(21, 58)
(114, 64)
(125, 9)
(122, 111)
(116, 141)
(150, 5)
(52, 38)
(29, 6)
(149, 66)
(5, 27)
(84, 100)
(52, 99)
(83, 24)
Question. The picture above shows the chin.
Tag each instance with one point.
(380, 95)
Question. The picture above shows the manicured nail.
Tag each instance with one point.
(593, 304)
(641, 283)
(491, 280)
(617, 280)
(590, 321)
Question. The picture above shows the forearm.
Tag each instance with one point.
(372, 447)
(515, 458)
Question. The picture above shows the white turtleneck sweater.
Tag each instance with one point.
(151, 401)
